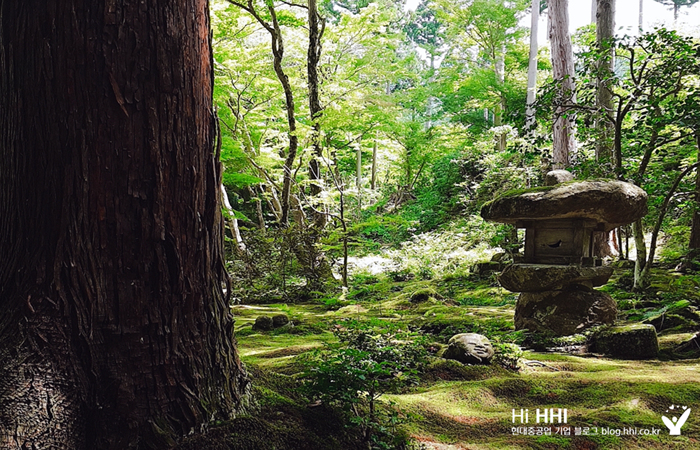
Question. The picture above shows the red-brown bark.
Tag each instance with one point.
(115, 331)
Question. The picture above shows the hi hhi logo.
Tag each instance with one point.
(545, 416)
(675, 424)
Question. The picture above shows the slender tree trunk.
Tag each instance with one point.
(312, 60)
(532, 66)
(694, 244)
(277, 45)
(641, 250)
(644, 275)
(500, 69)
(564, 144)
(374, 163)
(641, 16)
(278, 53)
(358, 176)
(605, 33)
(115, 332)
(594, 11)
(233, 222)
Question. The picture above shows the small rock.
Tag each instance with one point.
(279, 320)
(546, 277)
(636, 341)
(469, 348)
(555, 177)
(263, 323)
(565, 312)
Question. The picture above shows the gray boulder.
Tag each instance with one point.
(555, 177)
(636, 341)
(565, 312)
(613, 203)
(546, 277)
(469, 348)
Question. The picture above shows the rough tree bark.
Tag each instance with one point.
(564, 144)
(115, 332)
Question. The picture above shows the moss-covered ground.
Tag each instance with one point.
(471, 407)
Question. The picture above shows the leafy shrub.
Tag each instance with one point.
(354, 376)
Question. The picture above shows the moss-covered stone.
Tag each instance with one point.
(263, 323)
(637, 341)
(424, 294)
(279, 320)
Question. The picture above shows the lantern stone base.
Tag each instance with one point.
(564, 312)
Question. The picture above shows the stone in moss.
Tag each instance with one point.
(263, 323)
(279, 320)
(423, 295)
(637, 341)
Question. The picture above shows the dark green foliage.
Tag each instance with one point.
(281, 264)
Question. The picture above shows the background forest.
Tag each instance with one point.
(360, 141)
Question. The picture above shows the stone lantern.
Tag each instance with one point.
(559, 269)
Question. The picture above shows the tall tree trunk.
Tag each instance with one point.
(564, 144)
(641, 16)
(605, 33)
(594, 11)
(532, 66)
(312, 59)
(115, 332)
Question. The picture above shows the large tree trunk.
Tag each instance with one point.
(115, 332)
(564, 144)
